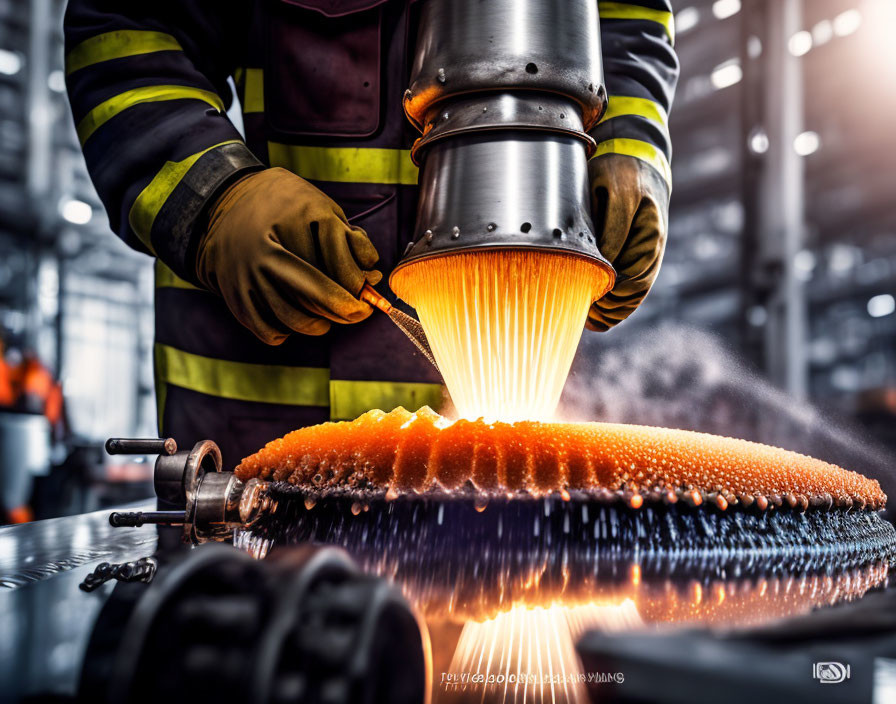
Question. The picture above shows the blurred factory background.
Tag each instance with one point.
(782, 234)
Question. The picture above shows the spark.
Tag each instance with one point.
(503, 326)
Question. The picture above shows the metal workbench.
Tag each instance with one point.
(46, 618)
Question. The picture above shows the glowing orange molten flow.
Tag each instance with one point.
(414, 452)
(503, 326)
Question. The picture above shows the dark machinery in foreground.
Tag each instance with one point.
(304, 625)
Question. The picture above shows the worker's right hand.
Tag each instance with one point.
(284, 258)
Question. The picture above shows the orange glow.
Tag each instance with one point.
(401, 452)
(503, 326)
(528, 654)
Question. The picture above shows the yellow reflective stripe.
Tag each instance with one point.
(253, 95)
(108, 109)
(166, 278)
(625, 11)
(262, 383)
(151, 199)
(350, 399)
(640, 150)
(345, 164)
(620, 105)
(117, 45)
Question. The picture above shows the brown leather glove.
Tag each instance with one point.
(284, 258)
(630, 206)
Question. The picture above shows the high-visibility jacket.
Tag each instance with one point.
(320, 84)
(7, 384)
(40, 392)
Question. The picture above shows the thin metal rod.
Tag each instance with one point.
(404, 322)
(139, 518)
(141, 446)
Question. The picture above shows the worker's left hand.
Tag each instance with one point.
(630, 208)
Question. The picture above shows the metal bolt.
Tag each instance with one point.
(442, 78)
(428, 235)
(455, 232)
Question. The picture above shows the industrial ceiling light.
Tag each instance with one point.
(686, 19)
(726, 74)
(758, 141)
(10, 62)
(822, 32)
(806, 143)
(800, 43)
(723, 9)
(76, 211)
(847, 22)
(882, 305)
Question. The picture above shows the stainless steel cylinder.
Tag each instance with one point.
(509, 189)
(472, 46)
(504, 92)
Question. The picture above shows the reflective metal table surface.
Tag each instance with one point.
(45, 616)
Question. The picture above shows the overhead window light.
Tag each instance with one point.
(822, 32)
(726, 74)
(847, 22)
(879, 306)
(800, 43)
(10, 62)
(806, 143)
(76, 212)
(686, 19)
(723, 9)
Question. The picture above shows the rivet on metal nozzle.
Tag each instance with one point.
(428, 235)
(455, 232)
(442, 78)
(491, 227)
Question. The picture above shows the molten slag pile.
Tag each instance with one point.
(402, 452)
(503, 325)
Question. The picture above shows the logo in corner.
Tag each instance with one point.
(830, 672)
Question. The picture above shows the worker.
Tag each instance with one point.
(262, 244)
(7, 380)
(40, 392)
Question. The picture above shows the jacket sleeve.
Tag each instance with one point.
(147, 83)
(640, 73)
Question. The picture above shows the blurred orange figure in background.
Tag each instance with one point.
(7, 386)
(40, 393)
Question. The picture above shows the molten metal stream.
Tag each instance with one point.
(503, 326)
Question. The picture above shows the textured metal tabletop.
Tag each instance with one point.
(46, 618)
